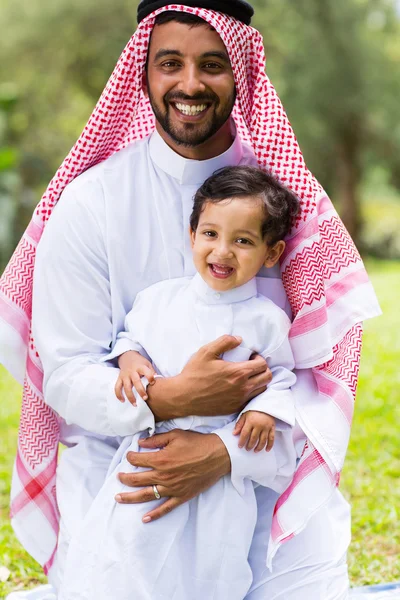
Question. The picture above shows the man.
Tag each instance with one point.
(122, 226)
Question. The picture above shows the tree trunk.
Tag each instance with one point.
(349, 176)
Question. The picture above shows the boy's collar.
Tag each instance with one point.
(210, 296)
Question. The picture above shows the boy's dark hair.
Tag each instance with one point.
(280, 205)
(180, 17)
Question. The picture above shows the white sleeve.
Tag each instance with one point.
(277, 400)
(275, 468)
(129, 339)
(72, 319)
(272, 469)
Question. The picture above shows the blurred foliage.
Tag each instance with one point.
(336, 66)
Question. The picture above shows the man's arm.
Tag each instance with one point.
(72, 320)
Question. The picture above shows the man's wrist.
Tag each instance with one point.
(221, 454)
(166, 399)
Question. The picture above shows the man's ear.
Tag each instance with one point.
(144, 84)
(192, 236)
(274, 253)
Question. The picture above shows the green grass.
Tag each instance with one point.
(372, 472)
(370, 478)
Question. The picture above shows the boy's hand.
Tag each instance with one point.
(133, 366)
(256, 429)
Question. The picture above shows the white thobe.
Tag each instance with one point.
(202, 547)
(118, 228)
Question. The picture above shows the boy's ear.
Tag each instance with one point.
(274, 253)
(192, 236)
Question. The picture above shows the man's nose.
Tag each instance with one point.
(191, 81)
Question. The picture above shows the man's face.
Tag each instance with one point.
(190, 82)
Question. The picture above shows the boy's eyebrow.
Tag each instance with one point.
(212, 54)
(237, 232)
(248, 232)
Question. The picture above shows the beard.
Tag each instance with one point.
(192, 134)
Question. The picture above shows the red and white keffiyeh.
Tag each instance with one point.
(322, 272)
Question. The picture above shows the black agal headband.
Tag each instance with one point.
(239, 9)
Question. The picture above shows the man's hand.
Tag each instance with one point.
(210, 386)
(187, 464)
(256, 430)
(133, 366)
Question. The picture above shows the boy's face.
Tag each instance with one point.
(228, 248)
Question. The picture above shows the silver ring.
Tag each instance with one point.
(156, 492)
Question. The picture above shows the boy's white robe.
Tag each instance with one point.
(203, 545)
(118, 228)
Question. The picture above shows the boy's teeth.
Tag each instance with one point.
(222, 270)
(190, 110)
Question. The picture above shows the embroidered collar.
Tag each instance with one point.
(210, 296)
(187, 171)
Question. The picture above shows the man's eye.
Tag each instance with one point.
(212, 66)
(170, 64)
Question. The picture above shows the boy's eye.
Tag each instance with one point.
(209, 233)
(244, 241)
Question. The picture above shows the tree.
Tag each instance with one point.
(339, 78)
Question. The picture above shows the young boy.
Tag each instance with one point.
(239, 220)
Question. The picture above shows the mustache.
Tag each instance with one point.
(202, 98)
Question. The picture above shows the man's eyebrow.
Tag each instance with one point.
(167, 52)
(171, 51)
(216, 54)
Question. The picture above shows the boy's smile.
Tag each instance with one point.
(228, 247)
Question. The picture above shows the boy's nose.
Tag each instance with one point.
(223, 251)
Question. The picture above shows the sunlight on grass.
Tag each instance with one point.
(372, 471)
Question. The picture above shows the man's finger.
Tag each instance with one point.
(256, 365)
(222, 345)
(144, 495)
(139, 480)
(162, 510)
(160, 440)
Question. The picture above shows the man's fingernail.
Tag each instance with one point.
(146, 519)
(118, 498)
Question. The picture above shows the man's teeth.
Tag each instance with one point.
(191, 110)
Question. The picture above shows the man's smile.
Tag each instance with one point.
(190, 111)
